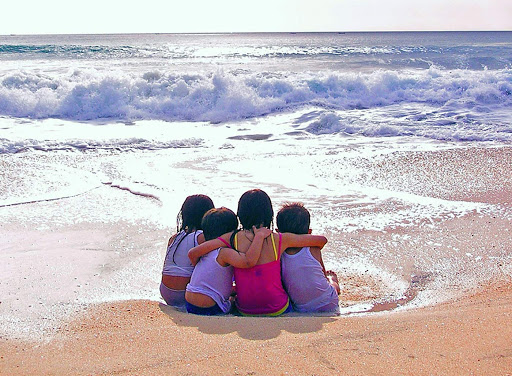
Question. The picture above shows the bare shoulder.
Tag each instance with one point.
(171, 239)
(227, 236)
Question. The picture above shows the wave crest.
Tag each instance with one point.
(218, 97)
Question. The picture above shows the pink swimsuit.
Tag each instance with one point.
(259, 289)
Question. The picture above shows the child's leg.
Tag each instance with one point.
(333, 280)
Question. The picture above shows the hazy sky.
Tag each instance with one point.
(169, 16)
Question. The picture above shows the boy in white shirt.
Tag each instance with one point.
(311, 288)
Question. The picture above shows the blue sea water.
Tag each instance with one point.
(439, 85)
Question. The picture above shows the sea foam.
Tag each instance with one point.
(224, 96)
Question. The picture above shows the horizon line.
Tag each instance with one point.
(262, 32)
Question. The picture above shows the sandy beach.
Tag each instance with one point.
(398, 143)
(469, 336)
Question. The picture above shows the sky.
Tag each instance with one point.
(203, 16)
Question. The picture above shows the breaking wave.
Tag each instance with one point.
(219, 97)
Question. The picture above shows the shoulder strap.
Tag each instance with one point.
(225, 242)
(274, 245)
(233, 240)
(174, 245)
(196, 235)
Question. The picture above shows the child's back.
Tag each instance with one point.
(259, 289)
(306, 283)
(303, 272)
(176, 261)
(213, 282)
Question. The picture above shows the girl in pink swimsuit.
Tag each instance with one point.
(259, 289)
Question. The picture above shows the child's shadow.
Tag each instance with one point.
(253, 328)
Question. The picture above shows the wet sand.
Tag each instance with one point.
(468, 333)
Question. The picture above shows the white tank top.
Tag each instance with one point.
(305, 282)
(176, 261)
(213, 280)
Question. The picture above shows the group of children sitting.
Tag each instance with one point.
(213, 267)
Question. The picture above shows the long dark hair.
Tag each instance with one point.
(190, 216)
(217, 222)
(255, 209)
(191, 213)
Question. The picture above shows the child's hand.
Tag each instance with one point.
(262, 231)
(194, 261)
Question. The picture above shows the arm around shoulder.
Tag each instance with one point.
(303, 240)
(229, 256)
(202, 249)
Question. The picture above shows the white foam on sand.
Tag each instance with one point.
(102, 236)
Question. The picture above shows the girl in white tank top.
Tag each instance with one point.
(177, 268)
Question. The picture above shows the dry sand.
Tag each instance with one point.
(469, 336)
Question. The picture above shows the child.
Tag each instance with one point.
(259, 289)
(177, 268)
(211, 284)
(310, 287)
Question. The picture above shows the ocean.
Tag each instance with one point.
(102, 137)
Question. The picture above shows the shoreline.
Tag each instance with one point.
(465, 262)
(469, 335)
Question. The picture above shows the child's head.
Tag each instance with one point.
(255, 209)
(294, 218)
(217, 222)
(192, 211)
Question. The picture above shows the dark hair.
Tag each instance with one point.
(255, 209)
(192, 211)
(190, 216)
(217, 222)
(293, 217)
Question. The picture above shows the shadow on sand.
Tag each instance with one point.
(252, 328)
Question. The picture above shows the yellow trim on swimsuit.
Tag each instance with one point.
(274, 245)
(280, 312)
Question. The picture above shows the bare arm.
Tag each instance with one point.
(329, 274)
(202, 249)
(229, 256)
(303, 240)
